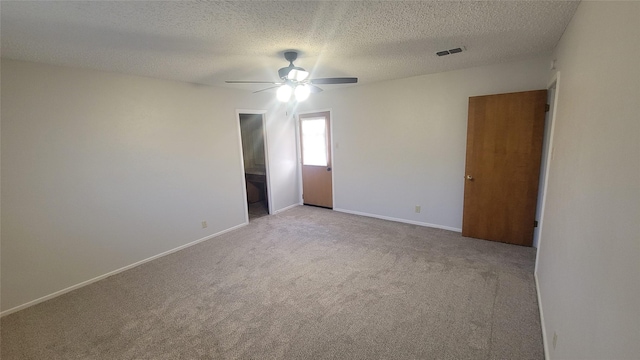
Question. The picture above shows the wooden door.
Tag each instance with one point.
(315, 143)
(504, 146)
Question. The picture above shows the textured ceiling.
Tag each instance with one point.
(209, 42)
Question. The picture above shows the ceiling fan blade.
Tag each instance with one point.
(252, 82)
(340, 80)
(269, 88)
(314, 89)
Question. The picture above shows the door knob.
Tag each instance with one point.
(469, 177)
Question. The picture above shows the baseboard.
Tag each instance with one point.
(545, 342)
(286, 208)
(398, 220)
(114, 272)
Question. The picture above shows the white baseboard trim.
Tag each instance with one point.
(114, 272)
(545, 342)
(286, 208)
(398, 220)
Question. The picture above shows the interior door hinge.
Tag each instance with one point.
(547, 107)
(535, 223)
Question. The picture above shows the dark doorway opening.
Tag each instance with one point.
(252, 133)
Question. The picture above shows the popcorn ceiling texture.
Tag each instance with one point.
(209, 42)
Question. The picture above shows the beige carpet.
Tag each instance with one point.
(307, 283)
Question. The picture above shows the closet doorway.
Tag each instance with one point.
(252, 132)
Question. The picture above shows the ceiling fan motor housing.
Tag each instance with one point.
(290, 56)
(284, 72)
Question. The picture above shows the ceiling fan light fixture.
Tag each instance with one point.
(284, 93)
(302, 92)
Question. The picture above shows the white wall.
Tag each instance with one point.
(589, 255)
(101, 170)
(398, 144)
(282, 151)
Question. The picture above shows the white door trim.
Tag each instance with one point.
(266, 158)
(554, 83)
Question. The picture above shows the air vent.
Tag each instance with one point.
(450, 51)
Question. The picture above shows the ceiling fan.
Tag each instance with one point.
(295, 81)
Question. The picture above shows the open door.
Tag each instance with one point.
(315, 144)
(504, 147)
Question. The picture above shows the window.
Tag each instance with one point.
(314, 140)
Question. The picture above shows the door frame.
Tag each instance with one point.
(266, 159)
(554, 83)
(299, 152)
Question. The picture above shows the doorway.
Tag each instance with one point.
(316, 168)
(252, 132)
(504, 148)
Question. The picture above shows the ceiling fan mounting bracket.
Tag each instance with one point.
(291, 56)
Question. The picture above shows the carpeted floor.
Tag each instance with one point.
(307, 283)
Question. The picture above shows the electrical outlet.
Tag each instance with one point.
(204, 224)
(555, 340)
(418, 208)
